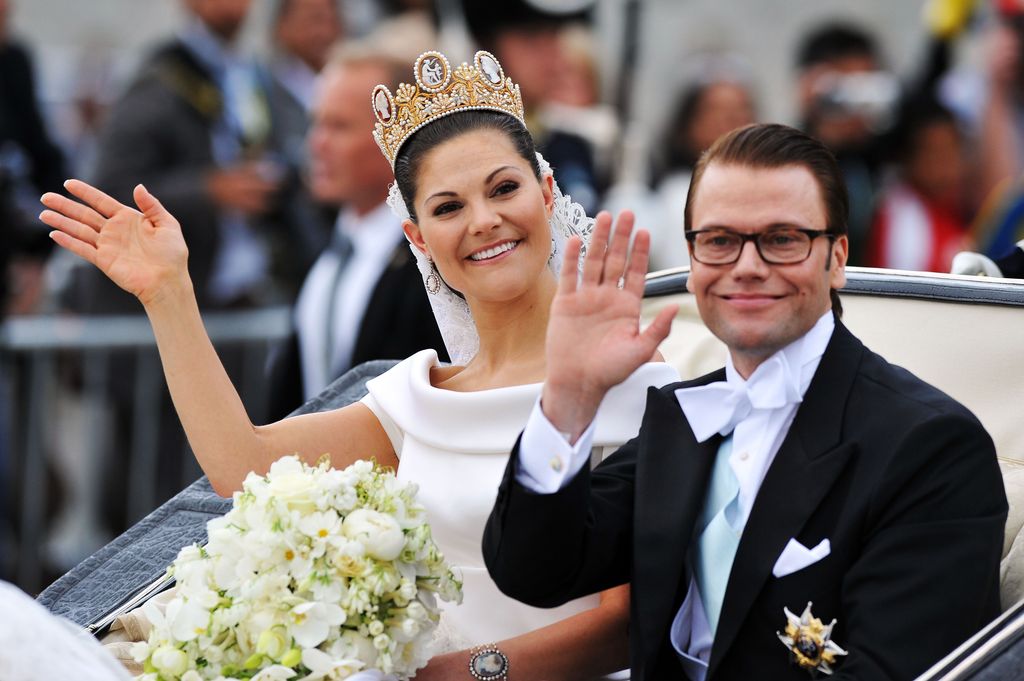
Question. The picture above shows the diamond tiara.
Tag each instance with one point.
(438, 92)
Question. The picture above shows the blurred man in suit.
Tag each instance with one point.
(303, 33)
(194, 127)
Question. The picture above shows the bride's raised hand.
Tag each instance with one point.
(594, 340)
(142, 251)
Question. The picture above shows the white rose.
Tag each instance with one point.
(379, 533)
(169, 661)
(288, 482)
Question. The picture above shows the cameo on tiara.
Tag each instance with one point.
(432, 71)
(489, 66)
(383, 104)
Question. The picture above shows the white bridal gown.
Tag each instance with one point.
(455, 446)
(36, 646)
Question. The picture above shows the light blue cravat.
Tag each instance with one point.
(716, 545)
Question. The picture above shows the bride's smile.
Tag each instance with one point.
(490, 253)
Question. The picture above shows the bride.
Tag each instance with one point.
(490, 230)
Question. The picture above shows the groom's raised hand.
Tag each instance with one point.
(594, 341)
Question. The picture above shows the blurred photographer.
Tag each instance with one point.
(921, 218)
(847, 100)
(850, 101)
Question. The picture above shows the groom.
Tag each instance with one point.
(808, 470)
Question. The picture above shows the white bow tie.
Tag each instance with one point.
(718, 407)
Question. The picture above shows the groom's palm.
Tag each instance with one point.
(595, 333)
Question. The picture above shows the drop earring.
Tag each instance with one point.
(432, 282)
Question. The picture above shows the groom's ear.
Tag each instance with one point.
(415, 236)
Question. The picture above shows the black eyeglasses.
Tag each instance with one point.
(775, 246)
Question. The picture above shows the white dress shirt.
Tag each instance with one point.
(547, 462)
(374, 237)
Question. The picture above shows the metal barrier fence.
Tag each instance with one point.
(57, 375)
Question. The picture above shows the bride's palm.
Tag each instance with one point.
(139, 251)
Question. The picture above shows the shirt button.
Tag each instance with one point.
(744, 456)
(556, 464)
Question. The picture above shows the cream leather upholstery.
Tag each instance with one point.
(964, 335)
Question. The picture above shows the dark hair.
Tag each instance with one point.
(286, 6)
(680, 152)
(835, 41)
(487, 21)
(410, 155)
(771, 145)
(915, 116)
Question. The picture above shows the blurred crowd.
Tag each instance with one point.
(269, 165)
(224, 138)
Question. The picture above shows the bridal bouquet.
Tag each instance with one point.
(315, 573)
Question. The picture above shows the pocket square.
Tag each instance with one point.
(796, 556)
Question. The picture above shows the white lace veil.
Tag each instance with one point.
(452, 312)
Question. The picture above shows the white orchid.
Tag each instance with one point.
(324, 666)
(312, 622)
(187, 618)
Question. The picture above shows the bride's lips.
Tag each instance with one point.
(493, 252)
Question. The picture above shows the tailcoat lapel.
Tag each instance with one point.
(804, 470)
(672, 474)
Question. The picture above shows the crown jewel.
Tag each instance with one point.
(440, 91)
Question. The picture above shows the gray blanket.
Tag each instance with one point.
(103, 581)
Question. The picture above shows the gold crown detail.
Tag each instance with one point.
(440, 91)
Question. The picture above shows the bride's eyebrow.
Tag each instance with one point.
(487, 180)
(439, 194)
(496, 171)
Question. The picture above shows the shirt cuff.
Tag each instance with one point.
(547, 462)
